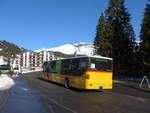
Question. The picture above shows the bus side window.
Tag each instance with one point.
(45, 67)
(52, 67)
(84, 62)
(75, 66)
(58, 67)
(65, 67)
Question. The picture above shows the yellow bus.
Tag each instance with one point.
(83, 72)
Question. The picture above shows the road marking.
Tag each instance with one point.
(51, 108)
(133, 97)
(61, 105)
(141, 99)
(25, 89)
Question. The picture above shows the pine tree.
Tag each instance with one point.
(99, 34)
(101, 42)
(121, 36)
(138, 62)
(145, 39)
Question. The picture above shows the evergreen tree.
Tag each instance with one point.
(102, 45)
(121, 36)
(145, 39)
(138, 62)
(9, 50)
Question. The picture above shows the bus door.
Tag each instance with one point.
(58, 71)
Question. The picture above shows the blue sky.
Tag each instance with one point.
(35, 24)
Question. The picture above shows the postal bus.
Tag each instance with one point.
(83, 72)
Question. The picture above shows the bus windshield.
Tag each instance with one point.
(99, 64)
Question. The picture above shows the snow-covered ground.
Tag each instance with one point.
(6, 82)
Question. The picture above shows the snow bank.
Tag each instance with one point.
(6, 82)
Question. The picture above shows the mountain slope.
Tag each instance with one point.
(80, 49)
(8, 49)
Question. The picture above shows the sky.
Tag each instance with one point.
(35, 24)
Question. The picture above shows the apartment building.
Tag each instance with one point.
(32, 59)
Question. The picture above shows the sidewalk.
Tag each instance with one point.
(132, 84)
(21, 99)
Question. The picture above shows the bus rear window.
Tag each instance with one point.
(99, 64)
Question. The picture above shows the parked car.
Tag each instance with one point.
(5, 68)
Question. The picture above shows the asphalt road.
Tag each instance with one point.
(21, 99)
(123, 98)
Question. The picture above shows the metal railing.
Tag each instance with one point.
(145, 78)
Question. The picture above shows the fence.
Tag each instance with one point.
(147, 80)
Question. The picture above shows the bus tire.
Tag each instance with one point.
(66, 83)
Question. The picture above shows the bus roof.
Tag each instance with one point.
(93, 56)
(98, 56)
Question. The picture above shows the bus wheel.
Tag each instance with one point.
(66, 83)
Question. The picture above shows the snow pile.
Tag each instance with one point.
(5, 82)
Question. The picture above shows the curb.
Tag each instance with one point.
(128, 83)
